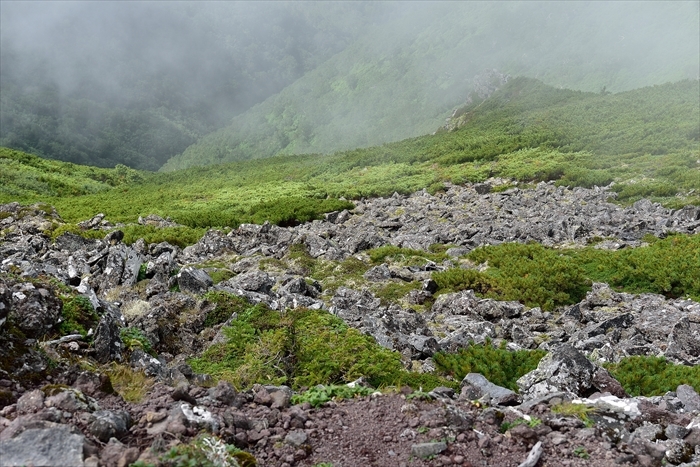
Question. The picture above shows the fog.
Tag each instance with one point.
(184, 69)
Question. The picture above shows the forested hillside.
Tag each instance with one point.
(646, 141)
(404, 77)
(138, 83)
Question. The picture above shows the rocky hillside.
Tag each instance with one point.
(238, 349)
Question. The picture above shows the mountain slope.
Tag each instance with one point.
(403, 77)
(646, 141)
(136, 83)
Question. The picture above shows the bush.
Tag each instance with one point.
(653, 376)
(287, 211)
(380, 254)
(667, 267)
(499, 365)
(78, 314)
(134, 338)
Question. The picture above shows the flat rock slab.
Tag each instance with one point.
(55, 447)
(424, 450)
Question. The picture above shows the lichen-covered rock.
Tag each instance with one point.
(109, 424)
(563, 369)
(35, 310)
(193, 280)
(107, 344)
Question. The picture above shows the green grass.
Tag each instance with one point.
(302, 348)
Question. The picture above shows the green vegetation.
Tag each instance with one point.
(133, 338)
(23, 175)
(499, 365)
(548, 278)
(580, 411)
(404, 255)
(581, 452)
(206, 451)
(667, 267)
(532, 423)
(319, 395)
(132, 385)
(531, 274)
(302, 348)
(645, 140)
(225, 306)
(77, 315)
(653, 376)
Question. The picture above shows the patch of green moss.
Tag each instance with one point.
(226, 306)
(134, 338)
(404, 255)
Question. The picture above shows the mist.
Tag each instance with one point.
(137, 83)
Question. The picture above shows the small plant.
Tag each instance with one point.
(142, 272)
(134, 338)
(207, 451)
(582, 453)
(419, 395)
(533, 422)
(422, 429)
(77, 314)
(581, 411)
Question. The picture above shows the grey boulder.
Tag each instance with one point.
(476, 386)
(49, 447)
(193, 280)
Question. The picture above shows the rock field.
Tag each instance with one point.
(57, 408)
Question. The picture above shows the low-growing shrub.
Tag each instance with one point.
(302, 348)
(456, 279)
(532, 274)
(653, 376)
(668, 267)
(134, 338)
(499, 365)
(380, 254)
(287, 211)
(207, 451)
